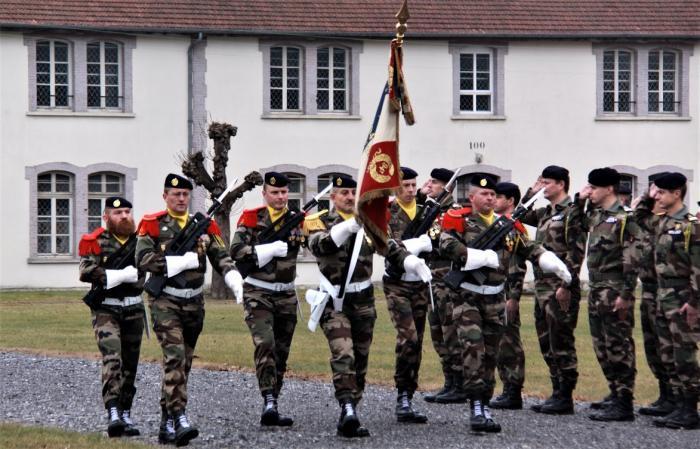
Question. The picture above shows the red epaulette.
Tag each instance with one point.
(89, 246)
(249, 217)
(453, 220)
(214, 228)
(149, 224)
(520, 227)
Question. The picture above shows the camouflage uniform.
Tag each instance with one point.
(177, 320)
(270, 315)
(479, 317)
(118, 328)
(559, 230)
(349, 331)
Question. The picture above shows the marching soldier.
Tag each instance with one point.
(178, 313)
(407, 298)
(557, 304)
(612, 235)
(511, 355)
(677, 263)
(479, 307)
(269, 296)
(348, 321)
(118, 316)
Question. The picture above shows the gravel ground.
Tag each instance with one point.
(65, 393)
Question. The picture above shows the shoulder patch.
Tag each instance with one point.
(249, 217)
(313, 222)
(149, 224)
(88, 243)
(214, 228)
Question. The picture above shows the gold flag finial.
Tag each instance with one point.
(402, 16)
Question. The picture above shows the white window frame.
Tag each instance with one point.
(661, 71)
(102, 63)
(616, 81)
(475, 92)
(331, 89)
(285, 88)
(103, 194)
(497, 51)
(53, 196)
(52, 74)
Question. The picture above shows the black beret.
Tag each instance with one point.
(555, 172)
(408, 173)
(276, 179)
(510, 190)
(671, 181)
(442, 174)
(624, 189)
(483, 180)
(177, 182)
(655, 176)
(603, 177)
(344, 182)
(115, 202)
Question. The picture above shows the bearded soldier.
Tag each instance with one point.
(118, 314)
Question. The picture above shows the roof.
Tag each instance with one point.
(367, 18)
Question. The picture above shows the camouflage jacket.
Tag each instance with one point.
(613, 241)
(463, 225)
(647, 222)
(94, 250)
(250, 225)
(677, 253)
(438, 264)
(155, 231)
(398, 222)
(559, 229)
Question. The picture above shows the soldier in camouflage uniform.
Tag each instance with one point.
(613, 233)
(118, 317)
(557, 305)
(479, 307)
(348, 324)
(511, 355)
(442, 329)
(677, 264)
(269, 296)
(407, 298)
(178, 313)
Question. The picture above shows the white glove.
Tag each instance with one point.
(550, 263)
(416, 265)
(342, 231)
(477, 258)
(234, 281)
(268, 251)
(177, 264)
(116, 277)
(418, 245)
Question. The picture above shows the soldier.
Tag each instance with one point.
(557, 305)
(269, 295)
(407, 298)
(677, 263)
(118, 318)
(612, 235)
(348, 321)
(478, 308)
(178, 313)
(442, 329)
(511, 356)
(624, 196)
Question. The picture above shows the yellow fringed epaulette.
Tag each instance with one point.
(314, 223)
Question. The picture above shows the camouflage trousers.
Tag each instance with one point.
(177, 323)
(443, 331)
(650, 313)
(408, 304)
(612, 339)
(555, 329)
(349, 334)
(118, 332)
(271, 318)
(479, 322)
(511, 355)
(679, 343)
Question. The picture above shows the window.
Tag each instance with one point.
(461, 192)
(285, 76)
(103, 75)
(475, 83)
(54, 212)
(478, 81)
(331, 79)
(100, 187)
(663, 71)
(53, 74)
(296, 191)
(323, 181)
(617, 81)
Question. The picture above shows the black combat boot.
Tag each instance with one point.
(480, 419)
(605, 402)
(405, 412)
(348, 423)
(115, 425)
(456, 395)
(662, 406)
(430, 397)
(684, 417)
(130, 429)
(621, 409)
(184, 431)
(550, 399)
(270, 414)
(510, 399)
(166, 432)
(563, 403)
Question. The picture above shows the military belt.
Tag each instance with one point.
(600, 277)
(670, 283)
(406, 277)
(122, 302)
(272, 286)
(184, 293)
(355, 287)
(482, 289)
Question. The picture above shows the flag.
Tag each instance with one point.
(380, 170)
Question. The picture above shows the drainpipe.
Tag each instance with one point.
(199, 194)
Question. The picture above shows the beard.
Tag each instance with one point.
(123, 228)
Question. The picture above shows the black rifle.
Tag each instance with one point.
(491, 238)
(118, 260)
(183, 242)
(422, 223)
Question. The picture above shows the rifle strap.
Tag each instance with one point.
(350, 265)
